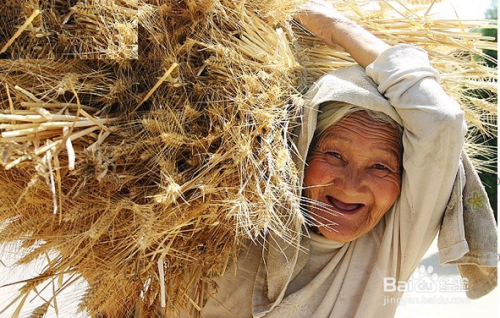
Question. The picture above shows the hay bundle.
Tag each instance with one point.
(93, 29)
(143, 177)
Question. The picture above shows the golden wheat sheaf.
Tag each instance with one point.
(126, 173)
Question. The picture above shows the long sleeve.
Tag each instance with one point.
(433, 139)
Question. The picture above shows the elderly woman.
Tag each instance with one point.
(381, 164)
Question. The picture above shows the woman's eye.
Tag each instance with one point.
(334, 154)
(380, 167)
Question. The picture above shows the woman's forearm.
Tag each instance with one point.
(363, 46)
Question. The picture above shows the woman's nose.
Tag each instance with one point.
(350, 181)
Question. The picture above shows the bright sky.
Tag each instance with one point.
(466, 9)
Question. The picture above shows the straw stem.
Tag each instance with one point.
(47, 159)
(39, 118)
(21, 132)
(17, 161)
(20, 30)
(70, 150)
(158, 83)
(56, 124)
(29, 94)
(161, 271)
(58, 105)
(11, 103)
(95, 121)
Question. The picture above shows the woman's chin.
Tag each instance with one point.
(338, 234)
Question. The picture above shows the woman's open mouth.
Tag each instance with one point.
(342, 207)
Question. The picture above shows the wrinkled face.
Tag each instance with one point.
(354, 169)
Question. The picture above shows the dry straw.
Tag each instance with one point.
(89, 29)
(144, 176)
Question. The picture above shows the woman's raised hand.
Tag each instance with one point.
(326, 23)
(321, 19)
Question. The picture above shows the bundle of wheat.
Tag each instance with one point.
(96, 29)
(144, 177)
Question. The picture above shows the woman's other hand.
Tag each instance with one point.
(329, 25)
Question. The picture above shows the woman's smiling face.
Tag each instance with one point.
(354, 168)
